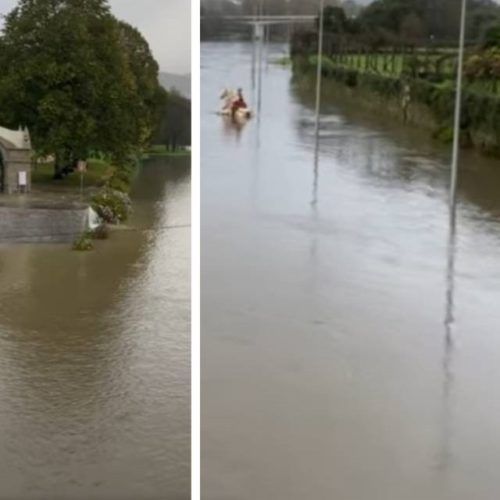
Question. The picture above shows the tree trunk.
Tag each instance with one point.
(58, 165)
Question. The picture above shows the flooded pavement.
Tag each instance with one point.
(350, 346)
(94, 356)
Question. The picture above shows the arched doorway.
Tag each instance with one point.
(15, 161)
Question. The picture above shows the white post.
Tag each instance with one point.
(319, 69)
(81, 167)
(458, 106)
(254, 35)
(260, 42)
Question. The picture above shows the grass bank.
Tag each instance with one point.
(97, 174)
(160, 150)
(418, 101)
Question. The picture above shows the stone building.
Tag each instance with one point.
(15, 161)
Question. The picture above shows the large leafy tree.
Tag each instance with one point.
(335, 20)
(174, 126)
(436, 18)
(65, 75)
(144, 69)
(389, 14)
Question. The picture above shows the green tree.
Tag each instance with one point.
(64, 75)
(144, 69)
(411, 29)
(389, 14)
(335, 20)
(491, 37)
(174, 127)
(439, 18)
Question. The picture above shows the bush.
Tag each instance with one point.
(122, 177)
(491, 37)
(480, 119)
(444, 134)
(83, 243)
(116, 183)
(112, 206)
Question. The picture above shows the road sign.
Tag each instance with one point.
(23, 181)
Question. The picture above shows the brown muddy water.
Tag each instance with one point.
(349, 351)
(94, 356)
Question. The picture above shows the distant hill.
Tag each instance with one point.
(181, 83)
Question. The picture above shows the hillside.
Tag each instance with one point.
(181, 83)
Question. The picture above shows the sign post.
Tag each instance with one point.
(82, 168)
(22, 181)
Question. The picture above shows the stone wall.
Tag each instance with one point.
(41, 224)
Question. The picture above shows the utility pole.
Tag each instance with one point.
(458, 106)
(319, 74)
(319, 69)
(260, 42)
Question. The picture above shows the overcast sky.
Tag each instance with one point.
(165, 24)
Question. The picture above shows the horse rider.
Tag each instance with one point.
(239, 103)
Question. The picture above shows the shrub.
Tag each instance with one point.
(116, 183)
(112, 206)
(122, 177)
(444, 134)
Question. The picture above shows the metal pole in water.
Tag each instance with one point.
(254, 35)
(254, 40)
(318, 103)
(319, 69)
(260, 46)
(458, 106)
(267, 40)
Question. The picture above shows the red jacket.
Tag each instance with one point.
(240, 103)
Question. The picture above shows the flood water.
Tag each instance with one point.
(94, 356)
(350, 347)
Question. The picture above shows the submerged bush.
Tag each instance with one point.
(83, 243)
(112, 206)
(118, 183)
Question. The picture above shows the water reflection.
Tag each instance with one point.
(233, 127)
(314, 200)
(446, 455)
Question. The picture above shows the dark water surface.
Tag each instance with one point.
(94, 357)
(348, 351)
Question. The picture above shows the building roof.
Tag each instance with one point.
(18, 138)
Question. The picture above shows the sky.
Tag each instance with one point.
(166, 25)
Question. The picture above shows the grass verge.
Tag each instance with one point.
(98, 172)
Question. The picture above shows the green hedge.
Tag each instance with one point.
(480, 112)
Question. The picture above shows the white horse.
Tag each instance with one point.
(230, 96)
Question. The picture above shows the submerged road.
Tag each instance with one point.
(349, 351)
